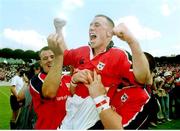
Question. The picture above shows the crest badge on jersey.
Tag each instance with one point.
(100, 66)
(124, 97)
(68, 85)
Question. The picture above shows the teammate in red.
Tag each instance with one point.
(49, 99)
(131, 102)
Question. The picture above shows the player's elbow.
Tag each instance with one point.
(48, 93)
(143, 79)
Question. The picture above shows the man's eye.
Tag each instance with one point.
(52, 56)
(45, 58)
(97, 24)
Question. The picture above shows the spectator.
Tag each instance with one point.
(160, 93)
(27, 116)
(168, 83)
(17, 84)
(177, 96)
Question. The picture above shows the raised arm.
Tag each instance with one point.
(53, 79)
(57, 45)
(140, 63)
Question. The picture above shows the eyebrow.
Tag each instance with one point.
(95, 23)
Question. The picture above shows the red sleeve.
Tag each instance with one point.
(127, 69)
(73, 56)
(69, 57)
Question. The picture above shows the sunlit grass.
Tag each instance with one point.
(5, 109)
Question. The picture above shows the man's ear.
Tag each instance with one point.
(110, 33)
(40, 63)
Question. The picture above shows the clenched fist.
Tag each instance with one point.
(122, 32)
(59, 24)
(56, 41)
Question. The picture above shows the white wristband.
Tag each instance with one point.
(101, 98)
(102, 103)
(103, 107)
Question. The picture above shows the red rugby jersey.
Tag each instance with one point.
(131, 103)
(50, 112)
(113, 65)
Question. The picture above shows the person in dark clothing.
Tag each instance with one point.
(27, 116)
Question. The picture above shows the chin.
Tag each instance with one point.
(47, 70)
(92, 44)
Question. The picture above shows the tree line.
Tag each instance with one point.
(19, 54)
(30, 54)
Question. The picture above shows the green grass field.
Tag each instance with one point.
(173, 125)
(5, 109)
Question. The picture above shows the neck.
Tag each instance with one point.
(100, 49)
(97, 51)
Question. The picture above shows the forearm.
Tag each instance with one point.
(140, 62)
(53, 78)
(21, 94)
(110, 119)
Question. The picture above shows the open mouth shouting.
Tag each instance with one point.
(92, 37)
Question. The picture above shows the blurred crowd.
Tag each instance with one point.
(166, 90)
(7, 71)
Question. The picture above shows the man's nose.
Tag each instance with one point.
(91, 27)
(50, 59)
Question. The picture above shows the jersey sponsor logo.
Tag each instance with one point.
(61, 98)
(100, 66)
(124, 97)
